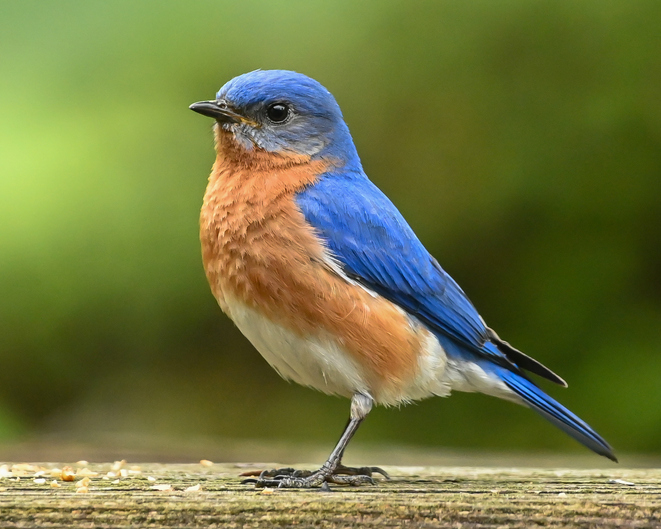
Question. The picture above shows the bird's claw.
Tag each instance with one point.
(290, 478)
(291, 472)
(361, 471)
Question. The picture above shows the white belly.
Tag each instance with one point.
(321, 363)
(315, 361)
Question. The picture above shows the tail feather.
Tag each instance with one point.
(556, 413)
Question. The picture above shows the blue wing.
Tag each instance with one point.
(377, 247)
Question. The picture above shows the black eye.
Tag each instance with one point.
(278, 112)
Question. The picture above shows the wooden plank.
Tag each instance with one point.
(155, 495)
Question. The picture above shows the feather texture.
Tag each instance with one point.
(375, 246)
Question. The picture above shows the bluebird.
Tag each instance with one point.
(320, 271)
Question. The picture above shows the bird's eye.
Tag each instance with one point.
(278, 112)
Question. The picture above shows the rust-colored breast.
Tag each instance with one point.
(258, 249)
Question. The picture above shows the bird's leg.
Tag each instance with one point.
(332, 471)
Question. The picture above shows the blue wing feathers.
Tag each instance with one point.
(373, 242)
(375, 246)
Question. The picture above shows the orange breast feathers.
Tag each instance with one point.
(258, 250)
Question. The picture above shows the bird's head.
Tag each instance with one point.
(282, 112)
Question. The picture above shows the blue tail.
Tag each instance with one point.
(555, 413)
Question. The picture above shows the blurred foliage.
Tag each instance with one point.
(522, 140)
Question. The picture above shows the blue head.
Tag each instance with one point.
(282, 111)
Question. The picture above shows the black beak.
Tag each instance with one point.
(217, 109)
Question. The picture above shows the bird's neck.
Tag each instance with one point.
(238, 156)
(258, 177)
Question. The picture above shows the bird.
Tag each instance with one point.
(323, 275)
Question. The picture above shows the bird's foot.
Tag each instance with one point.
(299, 479)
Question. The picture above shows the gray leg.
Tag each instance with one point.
(332, 471)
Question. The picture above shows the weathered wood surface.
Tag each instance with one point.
(153, 495)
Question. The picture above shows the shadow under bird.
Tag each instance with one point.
(320, 271)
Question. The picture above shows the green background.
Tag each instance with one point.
(521, 139)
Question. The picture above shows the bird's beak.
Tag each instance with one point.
(219, 110)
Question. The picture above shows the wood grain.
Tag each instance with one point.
(416, 497)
